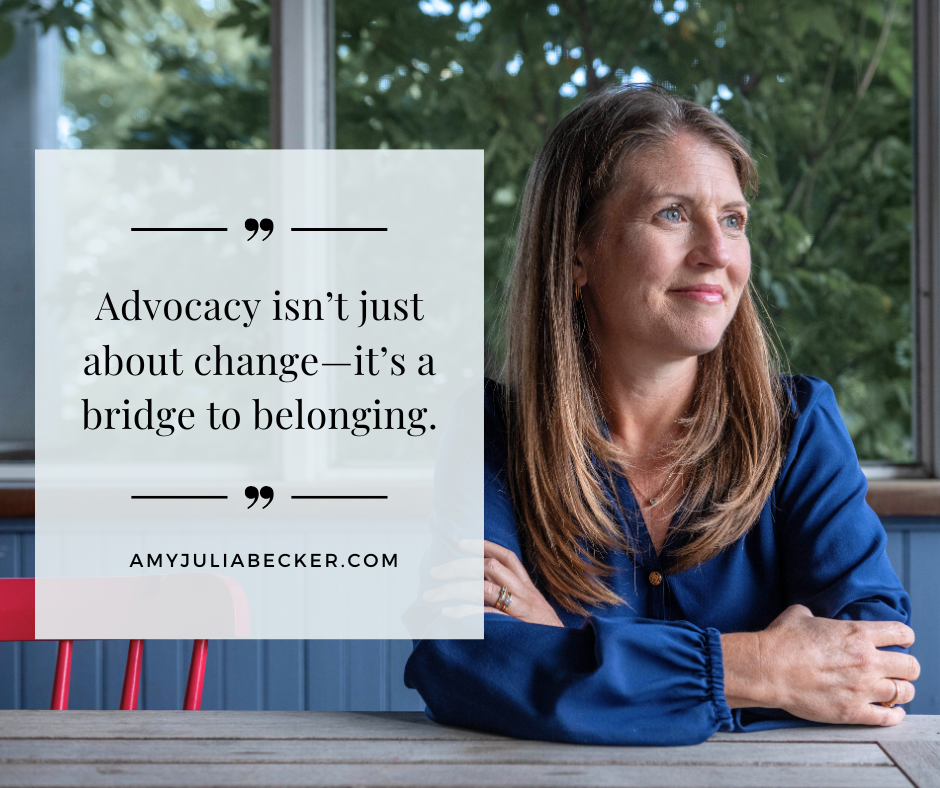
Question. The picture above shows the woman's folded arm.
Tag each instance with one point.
(615, 680)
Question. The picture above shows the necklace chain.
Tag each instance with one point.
(653, 500)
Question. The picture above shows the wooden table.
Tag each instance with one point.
(173, 748)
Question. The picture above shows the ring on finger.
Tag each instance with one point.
(890, 704)
(507, 601)
(504, 599)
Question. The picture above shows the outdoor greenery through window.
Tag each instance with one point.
(165, 74)
(821, 91)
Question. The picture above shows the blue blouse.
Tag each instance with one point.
(650, 672)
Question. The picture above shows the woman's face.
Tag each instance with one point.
(665, 270)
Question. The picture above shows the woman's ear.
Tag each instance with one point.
(580, 269)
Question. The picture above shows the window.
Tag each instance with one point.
(824, 94)
(838, 101)
(172, 75)
(193, 74)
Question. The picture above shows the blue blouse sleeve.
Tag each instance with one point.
(613, 681)
(831, 544)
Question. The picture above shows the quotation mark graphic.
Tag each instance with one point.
(266, 492)
(252, 226)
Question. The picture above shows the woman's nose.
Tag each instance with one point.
(710, 246)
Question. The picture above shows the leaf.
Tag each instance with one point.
(7, 37)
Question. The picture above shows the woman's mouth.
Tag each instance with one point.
(705, 294)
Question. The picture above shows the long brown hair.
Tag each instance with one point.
(561, 465)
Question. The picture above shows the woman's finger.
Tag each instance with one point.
(501, 569)
(899, 666)
(472, 546)
(875, 714)
(492, 591)
(889, 633)
(496, 572)
(509, 560)
(469, 591)
(462, 611)
(461, 568)
(517, 608)
(887, 689)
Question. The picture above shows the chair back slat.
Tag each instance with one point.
(17, 609)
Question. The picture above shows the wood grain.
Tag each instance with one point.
(17, 502)
(158, 749)
(915, 727)
(453, 776)
(904, 497)
(364, 725)
(919, 760)
(24, 751)
(227, 725)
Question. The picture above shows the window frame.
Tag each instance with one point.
(303, 117)
(926, 240)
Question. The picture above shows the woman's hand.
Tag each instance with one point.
(501, 568)
(822, 669)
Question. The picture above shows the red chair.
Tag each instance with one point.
(164, 598)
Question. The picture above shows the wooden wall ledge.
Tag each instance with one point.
(888, 497)
(905, 497)
(17, 502)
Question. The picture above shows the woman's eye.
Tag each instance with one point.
(735, 222)
(672, 214)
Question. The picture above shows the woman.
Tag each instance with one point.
(677, 537)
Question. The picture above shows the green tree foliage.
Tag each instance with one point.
(159, 73)
(822, 92)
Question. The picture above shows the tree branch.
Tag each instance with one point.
(879, 49)
(827, 88)
(846, 118)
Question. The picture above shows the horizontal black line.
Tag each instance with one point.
(339, 229)
(342, 497)
(335, 364)
(180, 497)
(179, 229)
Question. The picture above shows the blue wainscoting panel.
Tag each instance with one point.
(243, 680)
(114, 657)
(37, 671)
(161, 684)
(924, 557)
(285, 674)
(361, 675)
(326, 670)
(365, 679)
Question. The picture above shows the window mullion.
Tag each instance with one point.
(926, 247)
(302, 59)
